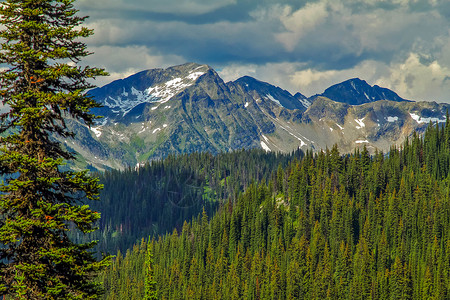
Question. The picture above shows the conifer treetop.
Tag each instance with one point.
(43, 85)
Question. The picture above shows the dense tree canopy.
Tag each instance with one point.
(328, 226)
(155, 198)
(41, 87)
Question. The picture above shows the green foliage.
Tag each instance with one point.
(160, 196)
(39, 202)
(327, 226)
(124, 279)
(150, 283)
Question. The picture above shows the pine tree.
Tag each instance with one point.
(150, 283)
(40, 201)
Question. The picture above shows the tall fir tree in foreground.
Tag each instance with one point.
(40, 202)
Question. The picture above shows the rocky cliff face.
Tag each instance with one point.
(190, 108)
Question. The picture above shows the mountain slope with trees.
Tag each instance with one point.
(160, 196)
(327, 226)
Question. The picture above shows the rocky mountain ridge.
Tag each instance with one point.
(190, 108)
(356, 92)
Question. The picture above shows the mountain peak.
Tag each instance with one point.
(273, 93)
(356, 91)
(150, 86)
(189, 67)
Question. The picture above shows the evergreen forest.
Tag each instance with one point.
(322, 226)
(156, 198)
(242, 225)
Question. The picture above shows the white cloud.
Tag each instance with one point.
(271, 14)
(444, 55)
(297, 77)
(234, 71)
(313, 81)
(308, 78)
(415, 78)
(299, 22)
(419, 80)
(121, 62)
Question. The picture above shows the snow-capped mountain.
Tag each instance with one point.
(152, 86)
(190, 108)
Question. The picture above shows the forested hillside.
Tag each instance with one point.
(325, 227)
(157, 197)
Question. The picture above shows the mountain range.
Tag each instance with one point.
(188, 108)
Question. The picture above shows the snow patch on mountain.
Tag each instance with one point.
(391, 119)
(265, 147)
(194, 76)
(305, 103)
(270, 97)
(140, 96)
(302, 143)
(142, 130)
(361, 141)
(421, 120)
(159, 93)
(163, 93)
(96, 131)
(360, 123)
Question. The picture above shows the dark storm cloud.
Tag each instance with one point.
(233, 11)
(231, 34)
(323, 35)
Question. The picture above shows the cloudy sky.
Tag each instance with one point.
(299, 45)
